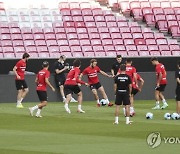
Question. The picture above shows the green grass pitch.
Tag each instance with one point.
(90, 133)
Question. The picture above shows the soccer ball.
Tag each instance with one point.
(175, 116)
(149, 115)
(167, 116)
(103, 102)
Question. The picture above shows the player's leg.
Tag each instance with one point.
(117, 110)
(40, 106)
(94, 91)
(19, 98)
(157, 98)
(80, 98)
(103, 93)
(68, 90)
(178, 100)
(126, 102)
(61, 89)
(24, 93)
(161, 89)
(132, 112)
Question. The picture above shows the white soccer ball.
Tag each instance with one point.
(167, 116)
(149, 115)
(175, 116)
(103, 102)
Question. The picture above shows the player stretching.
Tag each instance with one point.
(21, 86)
(71, 86)
(177, 75)
(136, 87)
(122, 89)
(160, 83)
(42, 80)
(93, 80)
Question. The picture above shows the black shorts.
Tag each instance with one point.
(134, 91)
(59, 81)
(177, 93)
(122, 98)
(70, 89)
(161, 87)
(95, 86)
(42, 95)
(21, 84)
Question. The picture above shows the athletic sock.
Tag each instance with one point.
(116, 119)
(127, 119)
(35, 107)
(157, 103)
(131, 109)
(66, 105)
(38, 112)
(79, 107)
(124, 111)
(98, 101)
(164, 101)
(107, 100)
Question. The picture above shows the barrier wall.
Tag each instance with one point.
(8, 90)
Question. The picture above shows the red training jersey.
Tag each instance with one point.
(21, 67)
(138, 79)
(73, 77)
(161, 69)
(91, 72)
(41, 76)
(130, 70)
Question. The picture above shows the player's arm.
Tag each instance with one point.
(15, 72)
(105, 74)
(80, 76)
(141, 83)
(159, 79)
(36, 80)
(130, 89)
(112, 72)
(178, 80)
(49, 84)
(61, 70)
(115, 88)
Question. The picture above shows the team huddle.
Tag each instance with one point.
(127, 83)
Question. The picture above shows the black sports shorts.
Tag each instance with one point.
(42, 95)
(122, 99)
(161, 87)
(59, 81)
(21, 84)
(95, 86)
(178, 93)
(134, 91)
(70, 89)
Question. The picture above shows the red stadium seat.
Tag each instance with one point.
(98, 48)
(6, 43)
(77, 54)
(80, 25)
(74, 42)
(17, 43)
(118, 42)
(161, 41)
(163, 47)
(158, 10)
(76, 12)
(140, 41)
(133, 53)
(107, 42)
(83, 36)
(176, 53)
(137, 35)
(16, 37)
(144, 53)
(89, 54)
(111, 54)
(85, 42)
(116, 35)
(50, 36)
(88, 18)
(112, 24)
(29, 43)
(166, 53)
(48, 30)
(120, 48)
(153, 48)
(52, 49)
(131, 48)
(100, 54)
(51, 42)
(87, 12)
(62, 42)
(30, 49)
(142, 48)
(97, 12)
(90, 24)
(149, 19)
(40, 43)
(87, 49)
(64, 49)
(168, 11)
(162, 25)
(95, 42)
(94, 36)
(75, 49)
(128, 41)
(150, 41)
(61, 36)
(72, 36)
(19, 49)
(126, 35)
(105, 36)
(174, 47)
(103, 30)
(174, 31)
(155, 53)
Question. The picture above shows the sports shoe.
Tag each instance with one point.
(98, 105)
(110, 104)
(80, 111)
(38, 116)
(67, 109)
(129, 123)
(73, 100)
(116, 123)
(19, 106)
(164, 106)
(31, 111)
(64, 100)
(157, 107)
(132, 114)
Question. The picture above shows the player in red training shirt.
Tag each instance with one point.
(21, 85)
(136, 87)
(42, 80)
(131, 72)
(93, 80)
(160, 83)
(71, 86)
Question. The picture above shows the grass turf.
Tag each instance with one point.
(93, 132)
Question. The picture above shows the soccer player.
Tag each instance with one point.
(177, 75)
(136, 87)
(42, 80)
(60, 68)
(122, 89)
(131, 72)
(21, 85)
(116, 65)
(93, 80)
(71, 86)
(160, 83)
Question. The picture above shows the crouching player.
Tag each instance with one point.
(71, 86)
(42, 80)
(122, 88)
